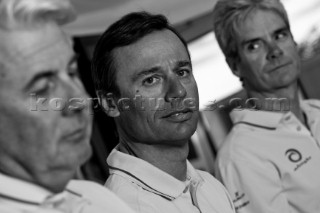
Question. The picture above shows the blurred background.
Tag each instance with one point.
(216, 83)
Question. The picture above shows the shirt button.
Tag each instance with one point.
(298, 128)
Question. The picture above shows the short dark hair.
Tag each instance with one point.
(128, 30)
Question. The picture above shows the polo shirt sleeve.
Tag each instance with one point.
(255, 186)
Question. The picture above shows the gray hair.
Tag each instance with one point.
(228, 14)
(17, 13)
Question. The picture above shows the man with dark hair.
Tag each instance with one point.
(143, 77)
(269, 161)
(41, 148)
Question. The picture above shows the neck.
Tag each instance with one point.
(282, 100)
(52, 182)
(170, 159)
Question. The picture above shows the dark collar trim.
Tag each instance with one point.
(19, 200)
(158, 193)
(255, 125)
(315, 106)
(74, 193)
(167, 197)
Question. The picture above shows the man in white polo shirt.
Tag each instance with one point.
(42, 145)
(270, 160)
(143, 76)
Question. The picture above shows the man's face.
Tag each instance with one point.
(46, 145)
(157, 68)
(268, 56)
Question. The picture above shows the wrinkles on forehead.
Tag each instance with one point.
(16, 49)
(26, 53)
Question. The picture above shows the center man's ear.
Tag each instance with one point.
(233, 65)
(108, 103)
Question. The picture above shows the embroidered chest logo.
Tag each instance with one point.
(296, 157)
(293, 155)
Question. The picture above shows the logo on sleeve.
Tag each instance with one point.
(296, 157)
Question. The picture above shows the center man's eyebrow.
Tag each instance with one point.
(158, 69)
(185, 63)
(182, 64)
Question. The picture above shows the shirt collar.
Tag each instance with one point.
(150, 177)
(22, 192)
(263, 119)
(310, 106)
(269, 119)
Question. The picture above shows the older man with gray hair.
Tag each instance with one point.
(40, 151)
(270, 159)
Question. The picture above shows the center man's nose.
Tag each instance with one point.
(176, 90)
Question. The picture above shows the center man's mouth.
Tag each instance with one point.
(179, 115)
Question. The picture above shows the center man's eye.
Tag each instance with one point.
(150, 81)
(183, 73)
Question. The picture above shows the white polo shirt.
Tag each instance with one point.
(270, 162)
(147, 189)
(17, 196)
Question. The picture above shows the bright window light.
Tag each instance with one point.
(214, 78)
